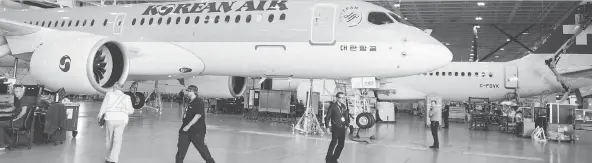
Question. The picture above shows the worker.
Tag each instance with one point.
(435, 115)
(445, 115)
(116, 108)
(16, 111)
(338, 117)
(193, 129)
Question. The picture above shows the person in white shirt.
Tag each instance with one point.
(116, 107)
(435, 115)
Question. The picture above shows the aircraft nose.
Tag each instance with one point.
(429, 52)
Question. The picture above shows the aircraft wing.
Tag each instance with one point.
(583, 73)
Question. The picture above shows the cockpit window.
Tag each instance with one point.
(379, 18)
(399, 19)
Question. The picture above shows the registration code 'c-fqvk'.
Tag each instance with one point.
(489, 85)
(361, 48)
(216, 7)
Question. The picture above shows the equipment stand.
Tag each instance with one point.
(156, 101)
(552, 62)
(308, 123)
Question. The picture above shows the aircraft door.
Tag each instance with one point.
(511, 77)
(118, 24)
(322, 31)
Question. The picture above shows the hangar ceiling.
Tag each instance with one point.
(452, 22)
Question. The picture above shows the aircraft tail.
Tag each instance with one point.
(565, 29)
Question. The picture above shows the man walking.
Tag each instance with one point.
(435, 115)
(338, 117)
(193, 129)
(445, 115)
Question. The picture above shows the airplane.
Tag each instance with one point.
(216, 44)
(458, 81)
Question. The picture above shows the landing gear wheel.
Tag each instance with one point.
(140, 100)
(365, 120)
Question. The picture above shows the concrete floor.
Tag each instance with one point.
(234, 140)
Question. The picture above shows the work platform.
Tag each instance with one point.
(153, 139)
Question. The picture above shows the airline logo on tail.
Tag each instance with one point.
(565, 31)
(215, 7)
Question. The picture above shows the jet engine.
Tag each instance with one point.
(217, 86)
(81, 65)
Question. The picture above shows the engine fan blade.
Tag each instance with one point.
(96, 77)
(102, 70)
(102, 65)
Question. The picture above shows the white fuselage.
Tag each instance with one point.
(303, 39)
(534, 78)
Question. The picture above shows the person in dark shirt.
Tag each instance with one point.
(338, 117)
(193, 129)
(445, 115)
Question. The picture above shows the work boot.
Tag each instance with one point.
(435, 147)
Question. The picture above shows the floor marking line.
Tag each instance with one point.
(504, 156)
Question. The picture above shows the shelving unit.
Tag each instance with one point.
(583, 119)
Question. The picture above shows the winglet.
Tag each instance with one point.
(12, 28)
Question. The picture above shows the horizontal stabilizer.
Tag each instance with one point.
(564, 31)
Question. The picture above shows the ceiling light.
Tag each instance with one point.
(477, 26)
(497, 56)
(447, 43)
(481, 3)
(405, 18)
(397, 5)
(502, 49)
(471, 54)
(478, 18)
(525, 33)
(507, 39)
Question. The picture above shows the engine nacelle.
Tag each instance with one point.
(218, 86)
(81, 64)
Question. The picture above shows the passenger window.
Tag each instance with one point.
(283, 16)
(431, 73)
(43, 24)
(379, 18)
(104, 23)
(160, 21)
(196, 19)
(150, 21)
(207, 20)
(259, 17)
(248, 19)
(92, 23)
(56, 23)
(237, 19)
(449, 73)
(490, 74)
(142, 21)
(482, 74)
(70, 23)
(455, 73)
(77, 23)
(270, 19)
(443, 73)
(178, 20)
(49, 24)
(476, 74)
(227, 18)
(63, 22)
(468, 74)
(437, 73)
(169, 20)
(37, 23)
(187, 19)
(217, 19)
(462, 74)
(84, 23)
